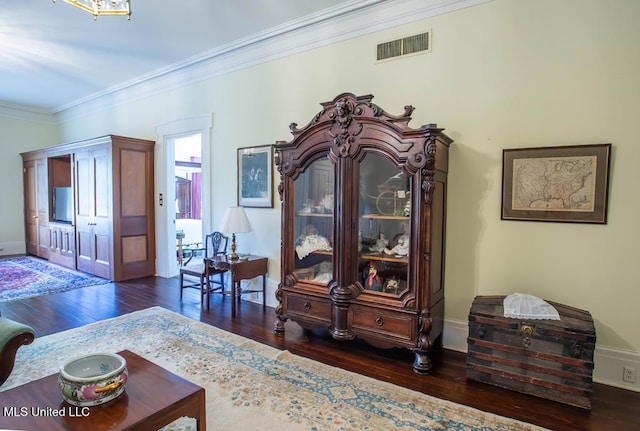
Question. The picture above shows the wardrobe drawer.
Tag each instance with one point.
(384, 323)
(307, 307)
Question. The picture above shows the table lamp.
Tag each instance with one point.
(235, 221)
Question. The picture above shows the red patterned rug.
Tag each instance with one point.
(25, 277)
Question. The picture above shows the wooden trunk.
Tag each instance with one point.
(551, 359)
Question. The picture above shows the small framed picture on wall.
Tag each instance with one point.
(255, 177)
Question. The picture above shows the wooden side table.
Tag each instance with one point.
(244, 268)
(154, 397)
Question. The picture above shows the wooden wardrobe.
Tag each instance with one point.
(111, 232)
(363, 226)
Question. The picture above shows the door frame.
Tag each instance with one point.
(165, 186)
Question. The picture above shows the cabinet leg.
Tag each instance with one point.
(340, 329)
(421, 362)
(278, 328)
(341, 334)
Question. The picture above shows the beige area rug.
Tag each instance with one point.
(251, 386)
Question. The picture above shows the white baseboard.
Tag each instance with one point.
(12, 248)
(608, 361)
(454, 335)
(609, 364)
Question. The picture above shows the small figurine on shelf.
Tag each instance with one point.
(391, 286)
(311, 241)
(307, 208)
(407, 208)
(326, 203)
(402, 245)
(325, 273)
(381, 243)
(401, 248)
(304, 273)
(372, 280)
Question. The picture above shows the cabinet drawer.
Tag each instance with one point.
(308, 307)
(384, 323)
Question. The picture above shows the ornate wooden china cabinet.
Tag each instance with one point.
(363, 221)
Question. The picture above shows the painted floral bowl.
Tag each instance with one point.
(94, 379)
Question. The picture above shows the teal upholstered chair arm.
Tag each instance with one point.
(10, 329)
(12, 336)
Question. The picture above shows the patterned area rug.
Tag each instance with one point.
(24, 277)
(251, 386)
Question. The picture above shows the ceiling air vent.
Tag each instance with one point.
(415, 44)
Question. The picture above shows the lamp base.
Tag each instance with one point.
(234, 255)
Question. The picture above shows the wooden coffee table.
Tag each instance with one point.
(153, 398)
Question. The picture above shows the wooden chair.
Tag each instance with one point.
(12, 336)
(214, 244)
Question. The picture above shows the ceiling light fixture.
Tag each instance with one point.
(103, 7)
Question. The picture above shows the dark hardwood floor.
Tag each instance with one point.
(613, 409)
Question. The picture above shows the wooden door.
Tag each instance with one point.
(94, 211)
(31, 207)
(36, 207)
(133, 210)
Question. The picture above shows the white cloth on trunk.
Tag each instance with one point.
(522, 306)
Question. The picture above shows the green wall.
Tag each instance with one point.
(16, 136)
(503, 74)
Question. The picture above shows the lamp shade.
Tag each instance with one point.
(235, 221)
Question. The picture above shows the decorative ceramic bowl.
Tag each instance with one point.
(93, 379)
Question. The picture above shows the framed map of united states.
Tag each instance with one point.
(560, 184)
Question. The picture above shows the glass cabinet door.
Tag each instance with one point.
(314, 222)
(383, 231)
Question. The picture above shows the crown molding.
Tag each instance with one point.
(353, 19)
(27, 113)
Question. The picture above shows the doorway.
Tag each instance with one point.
(188, 196)
(180, 146)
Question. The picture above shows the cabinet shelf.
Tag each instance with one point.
(322, 252)
(321, 215)
(383, 217)
(384, 258)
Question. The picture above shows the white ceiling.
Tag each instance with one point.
(54, 54)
